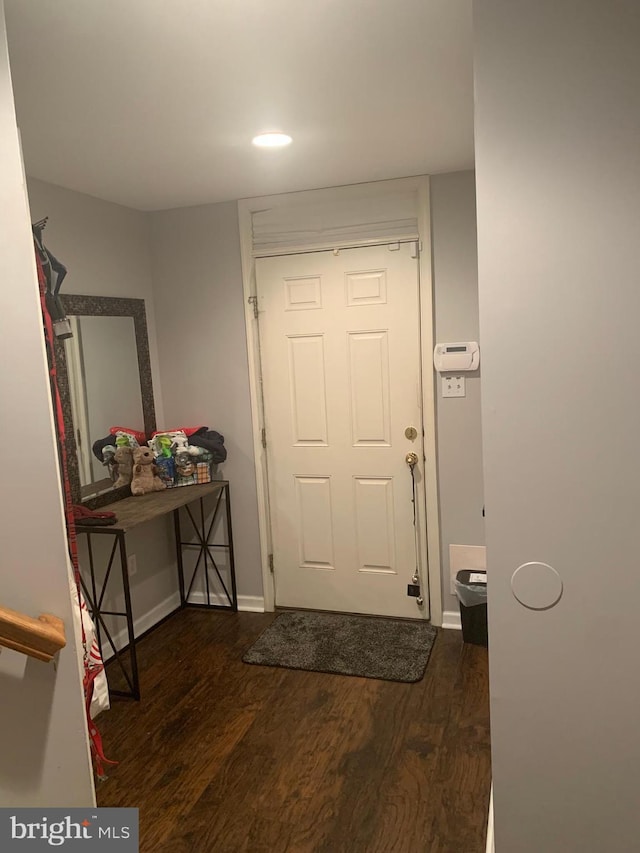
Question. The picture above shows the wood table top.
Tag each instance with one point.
(139, 509)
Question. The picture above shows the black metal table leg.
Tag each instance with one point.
(178, 534)
(206, 559)
(94, 589)
(94, 595)
(129, 610)
(232, 562)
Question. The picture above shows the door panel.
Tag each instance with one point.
(369, 380)
(307, 385)
(340, 352)
(375, 524)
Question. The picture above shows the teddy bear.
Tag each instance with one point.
(145, 477)
(123, 458)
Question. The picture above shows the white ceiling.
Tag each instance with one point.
(153, 103)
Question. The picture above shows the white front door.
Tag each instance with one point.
(340, 349)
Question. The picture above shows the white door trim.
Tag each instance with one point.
(429, 525)
(430, 529)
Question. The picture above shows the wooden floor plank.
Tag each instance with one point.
(223, 756)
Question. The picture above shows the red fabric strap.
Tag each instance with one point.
(91, 668)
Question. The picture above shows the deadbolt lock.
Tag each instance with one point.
(411, 433)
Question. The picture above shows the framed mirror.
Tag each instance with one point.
(104, 377)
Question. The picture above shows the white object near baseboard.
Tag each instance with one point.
(466, 557)
(491, 845)
(451, 619)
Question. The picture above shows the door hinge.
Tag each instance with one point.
(264, 437)
(253, 300)
(271, 563)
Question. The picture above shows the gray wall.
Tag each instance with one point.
(197, 279)
(44, 754)
(455, 277)
(106, 248)
(186, 264)
(199, 248)
(558, 177)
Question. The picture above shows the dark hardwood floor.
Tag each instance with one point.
(223, 756)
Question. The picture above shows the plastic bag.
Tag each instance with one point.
(100, 699)
(471, 594)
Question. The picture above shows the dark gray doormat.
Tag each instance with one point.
(367, 646)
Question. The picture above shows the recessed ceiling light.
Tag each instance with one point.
(271, 140)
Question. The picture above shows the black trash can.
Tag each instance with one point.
(471, 589)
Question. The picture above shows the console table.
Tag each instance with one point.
(135, 511)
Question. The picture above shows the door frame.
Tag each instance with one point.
(429, 518)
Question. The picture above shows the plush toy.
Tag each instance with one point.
(124, 460)
(166, 470)
(108, 459)
(180, 443)
(126, 439)
(161, 445)
(145, 477)
(202, 454)
(185, 469)
(108, 452)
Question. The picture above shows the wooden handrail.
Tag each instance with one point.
(39, 638)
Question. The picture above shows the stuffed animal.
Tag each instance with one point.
(108, 459)
(185, 469)
(166, 470)
(145, 477)
(180, 443)
(161, 445)
(124, 460)
(202, 454)
(126, 439)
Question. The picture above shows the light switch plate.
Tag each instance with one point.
(453, 386)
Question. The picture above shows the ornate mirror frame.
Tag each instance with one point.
(104, 306)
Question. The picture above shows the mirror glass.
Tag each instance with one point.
(104, 379)
(104, 390)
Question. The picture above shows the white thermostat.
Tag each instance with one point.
(452, 358)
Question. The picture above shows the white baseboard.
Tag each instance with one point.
(141, 624)
(491, 844)
(251, 603)
(246, 603)
(451, 619)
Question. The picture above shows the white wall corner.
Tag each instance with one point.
(451, 619)
(251, 603)
(245, 225)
